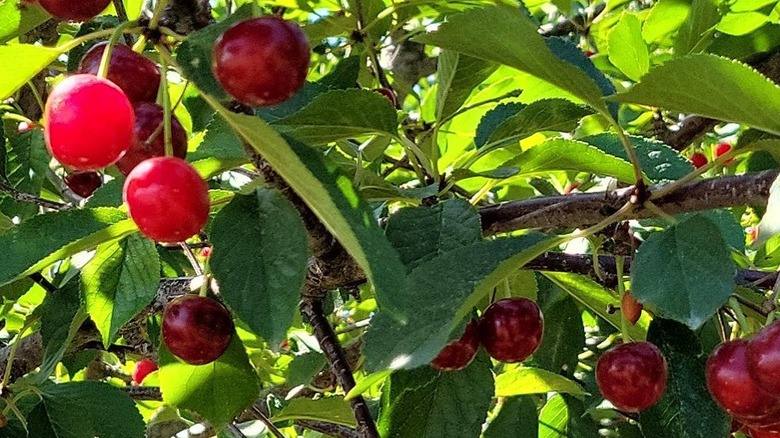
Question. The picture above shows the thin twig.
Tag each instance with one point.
(331, 429)
(267, 421)
(26, 197)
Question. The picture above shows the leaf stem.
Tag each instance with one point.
(621, 287)
(741, 320)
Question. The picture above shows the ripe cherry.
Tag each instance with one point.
(167, 199)
(69, 10)
(83, 183)
(732, 387)
(632, 376)
(389, 94)
(205, 252)
(89, 122)
(149, 140)
(511, 329)
(723, 148)
(631, 308)
(460, 352)
(755, 433)
(143, 368)
(261, 61)
(197, 329)
(763, 358)
(135, 74)
(699, 160)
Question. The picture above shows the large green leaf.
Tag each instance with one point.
(554, 418)
(458, 76)
(659, 161)
(219, 151)
(120, 281)
(21, 62)
(424, 403)
(686, 401)
(85, 410)
(627, 49)
(261, 274)
(329, 409)
(504, 35)
(666, 16)
(24, 162)
(16, 19)
(564, 336)
(330, 195)
(218, 390)
(685, 272)
(517, 418)
(710, 86)
(527, 380)
(46, 238)
(341, 114)
(696, 32)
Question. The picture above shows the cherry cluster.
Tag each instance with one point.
(743, 377)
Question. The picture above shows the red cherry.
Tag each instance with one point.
(167, 199)
(632, 376)
(631, 308)
(570, 187)
(149, 140)
(205, 252)
(755, 433)
(511, 329)
(69, 10)
(83, 183)
(197, 329)
(763, 358)
(589, 53)
(389, 94)
(135, 74)
(143, 368)
(699, 160)
(460, 352)
(89, 122)
(722, 148)
(262, 61)
(732, 387)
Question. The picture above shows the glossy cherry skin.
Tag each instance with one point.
(143, 368)
(722, 148)
(632, 376)
(389, 94)
(763, 358)
(167, 199)
(149, 140)
(459, 353)
(631, 308)
(511, 329)
(74, 10)
(261, 61)
(83, 183)
(88, 122)
(135, 74)
(196, 329)
(754, 433)
(698, 160)
(732, 387)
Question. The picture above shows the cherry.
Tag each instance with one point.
(197, 329)
(205, 252)
(755, 433)
(460, 352)
(261, 61)
(631, 308)
(763, 358)
(723, 148)
(83, 183)
(143, 368)
(135, 74)
(589, 53)
(69, 10)
(89, 122)
(167, 199)
(389, 94)
(570, 187)
(732, 387)
(149, 140)
(511, 329)
(699, 160)
(632, 376)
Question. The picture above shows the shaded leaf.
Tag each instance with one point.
(458, 75)
(517, 418)
(659, 161)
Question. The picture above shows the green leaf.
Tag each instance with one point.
(424, 403)
(218, 390)
(560, 154)
(493, 119)
(695, 34)
(770, 222)
(330, 195)
(458, 76)
(21, 62)
(741, 23)
(553, 418)
(504, 35)
(344, 75)
(261, 273)
(695, 269)
(120, 281)
(329, 409)
(713, 87)
(341, 114)
(563, 338)
(517, 418)
(686, 401)
(25, 164)
(665, 19)
(627, 49)
(659, 161)
(220, 149)
(49, 237)
(304, 367)
(526, 380)
(16, 19)
(85, 410)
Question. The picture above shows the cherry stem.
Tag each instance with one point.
(204, 288)
(106, 59)
(166, 102)
(157, 14)
(621, 287)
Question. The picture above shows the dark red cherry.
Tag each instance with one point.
(511, 329)
(135, 74)
(261, 61)
(74, 10)
(632, 376)
(389, 94)
(197, 329)
(83, 183)
(699, 160)
(460, 352)
(149, 140)
(631, 308)
(763, 358)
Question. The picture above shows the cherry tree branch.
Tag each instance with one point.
(26, 197)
